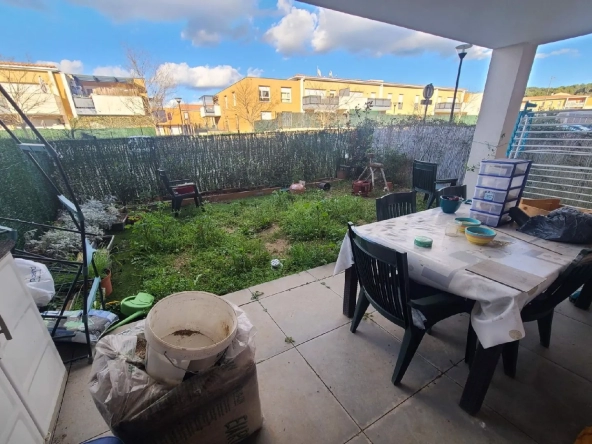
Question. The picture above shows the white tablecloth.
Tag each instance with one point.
(496, 315)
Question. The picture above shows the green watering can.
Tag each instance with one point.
(133, 307)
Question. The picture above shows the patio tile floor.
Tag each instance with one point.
(332, 386)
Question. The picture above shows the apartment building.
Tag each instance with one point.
(559, 101)
(55, 100)
(328, 93)
(256, 98)
(189, 119)
(40, 90)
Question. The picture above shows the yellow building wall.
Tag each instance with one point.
(233, 116)
(382, 92)
(24, 76)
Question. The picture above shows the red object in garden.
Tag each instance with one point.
(361, 187)
(184, 189)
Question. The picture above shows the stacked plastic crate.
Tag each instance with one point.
(499, 187)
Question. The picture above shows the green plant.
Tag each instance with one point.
(102, 261)
(289, 340)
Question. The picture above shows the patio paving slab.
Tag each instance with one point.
(296, 405)
(306, 312)
(240, 297)
(79, 419)
(358, 368)
(547, 402)
(445, 347)
(334, 283)
(570, 310)
(571, 345)
(360, 439)
(433, 415)
(323, 271)
(282, 284)
(269, 339)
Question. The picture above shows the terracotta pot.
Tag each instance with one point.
(341, 174)
(106, 284)
(297, 188)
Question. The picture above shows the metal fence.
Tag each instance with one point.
(559, 143)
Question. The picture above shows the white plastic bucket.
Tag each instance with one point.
(187, 331)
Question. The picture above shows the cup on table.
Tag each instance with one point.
(452, 229)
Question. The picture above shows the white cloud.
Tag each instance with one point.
(201, 77)
(292, 34)
(564, 51)
(207, 21)
(325, 30)
(67, 66)
(112, 71)
(254, 72)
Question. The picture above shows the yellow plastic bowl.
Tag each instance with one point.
(479, 235)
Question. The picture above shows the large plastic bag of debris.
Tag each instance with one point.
(564, 224)
(219, 405)
(37, 279)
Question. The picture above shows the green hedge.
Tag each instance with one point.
(127, 169)
(24, 193)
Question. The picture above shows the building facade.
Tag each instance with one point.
(321, 101)
(187, 119)
(40, 91)
(559, 101)
(55, 100)
(253, 99)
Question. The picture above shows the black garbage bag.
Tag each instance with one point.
(565, 224)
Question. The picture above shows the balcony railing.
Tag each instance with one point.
(320, 101)
(447, 105)
(574, 105)
(380, 103)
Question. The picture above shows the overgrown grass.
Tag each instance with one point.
(228, 246)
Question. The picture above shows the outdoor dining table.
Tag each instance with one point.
(496, 313)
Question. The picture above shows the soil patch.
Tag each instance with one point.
(181, 261)
(186, 332)
(278, 247)
(141, 348)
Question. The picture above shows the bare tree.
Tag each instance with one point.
(249, 105)
(334, 109)
(30, 92)
(158, 82)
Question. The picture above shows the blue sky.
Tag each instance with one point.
(208, 44)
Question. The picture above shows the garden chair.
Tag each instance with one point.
(541, 308)
(458, 190)
(384, 283)
(179, 190)
(395, 205)
(424, 180)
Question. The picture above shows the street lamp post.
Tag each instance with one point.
(178, 99)
(462, 52)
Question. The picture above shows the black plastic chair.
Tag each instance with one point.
(177, 192)
(458, 190)
(542, 307)
(425, 181)
(395, 205)
(384, 283)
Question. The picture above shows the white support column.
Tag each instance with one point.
(507, 77)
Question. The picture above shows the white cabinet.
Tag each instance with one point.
(30, 365)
